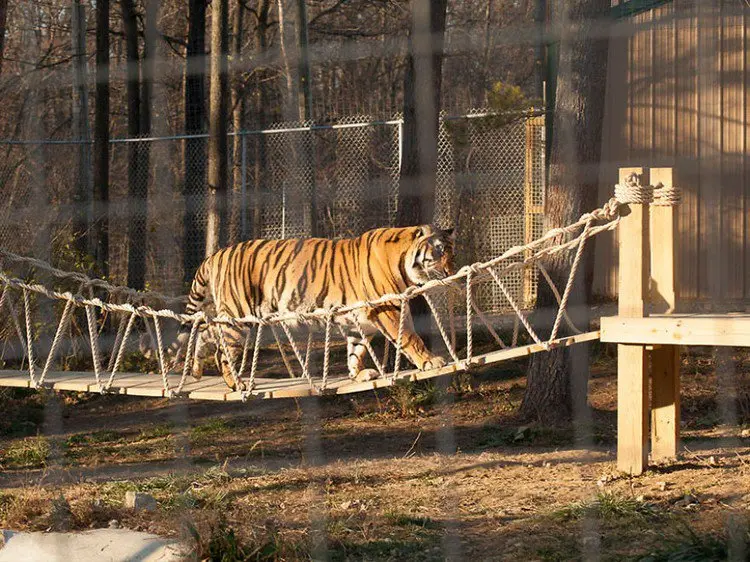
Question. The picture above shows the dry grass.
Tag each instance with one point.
(412, 474)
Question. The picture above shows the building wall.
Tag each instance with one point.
(677, 95)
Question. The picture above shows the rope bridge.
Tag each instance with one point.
(96, 323)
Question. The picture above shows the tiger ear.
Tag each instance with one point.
(450, 234)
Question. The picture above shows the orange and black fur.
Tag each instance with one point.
(261, 277)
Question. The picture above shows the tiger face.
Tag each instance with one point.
(431, 256)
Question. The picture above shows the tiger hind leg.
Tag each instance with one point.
(355, 352)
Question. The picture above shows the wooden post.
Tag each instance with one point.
(665, 360)
(632, 361)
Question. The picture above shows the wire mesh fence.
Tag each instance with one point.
(293, 180)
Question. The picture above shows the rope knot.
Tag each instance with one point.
(633, 192)
(666, 196)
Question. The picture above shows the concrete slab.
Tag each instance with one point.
(99, 545)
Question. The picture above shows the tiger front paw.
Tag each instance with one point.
(366, 375)
(435, 362)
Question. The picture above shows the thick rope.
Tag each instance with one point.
(469, 328)
(521, 316)
(441, 328)
(284, 357)
(190, 352)
(666, 196)
(56, 341)
(121, 351)
(569, 285)
(633, 192)
(327, 351)
(160, 355)
(29, 338)
(400, 337)
(236, 377)
(254, 364)
(368, 346)
(94, 342)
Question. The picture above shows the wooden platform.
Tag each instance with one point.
(679, 329)
(214, 388)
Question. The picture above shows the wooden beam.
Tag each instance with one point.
(709, 329)
(632, 360)
(665, 360)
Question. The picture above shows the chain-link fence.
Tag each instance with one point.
(290, 180)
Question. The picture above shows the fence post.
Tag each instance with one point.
(632, 360)
(665, 360)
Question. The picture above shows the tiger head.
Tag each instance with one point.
(430, 255)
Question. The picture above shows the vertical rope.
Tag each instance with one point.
(400, 337)
(116, 344)
(29, 340)
(515, 307)
(254, 364)
(469, 328)
(245, 348)
(368, 346)
(230, 360)
(56, 341)
(284, 357)
(558, 298)
(486, 322)
(441, 328)
(121, 351)
(571, 277)
(327, 351)
(306, 368)
(94, 342)
(189, 354)
(160, 355)
(296, 350)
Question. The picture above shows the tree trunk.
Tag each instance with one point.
(290, 109)
(557, 381)
(81, 130)
(194, 242)
(100, 237)
(238, 206)
(3, 19)
(137, 174)
(217, 125)
(262, 104)
(422, 84)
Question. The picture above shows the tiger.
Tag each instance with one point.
(263, 277)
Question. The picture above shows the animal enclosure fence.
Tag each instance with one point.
(490, 186)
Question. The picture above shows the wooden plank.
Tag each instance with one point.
(732, 225)
(632, 408)
(665, 402)
(663, 248)
(634, 254)
(484, 359)
(710, 258)
(686, 145)
(712, 330)
(632, 364)
(665, 360)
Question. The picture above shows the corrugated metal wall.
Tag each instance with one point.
(677, 95)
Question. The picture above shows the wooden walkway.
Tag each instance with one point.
(214, 388)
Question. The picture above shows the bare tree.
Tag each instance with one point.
(261, 111)
(137, 167)
(81, 129)
(195, 148)
(3, 19)
(422, 86)
(100, 238)
(557, 380)
(236, 226)
(217, 125)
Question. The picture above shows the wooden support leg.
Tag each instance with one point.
(665, 402)
(632, 408)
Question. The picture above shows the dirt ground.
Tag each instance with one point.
(424, 472)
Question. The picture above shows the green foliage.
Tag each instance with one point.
(204, 433)
(611, 507)
(31, 452)
(688, 546)
(412, 398)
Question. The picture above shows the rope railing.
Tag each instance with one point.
(572, 237)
